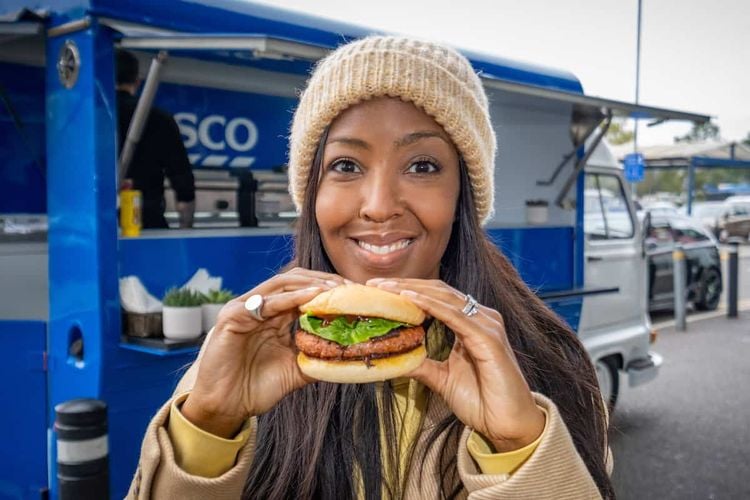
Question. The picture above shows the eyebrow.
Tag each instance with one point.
(406, 140)
(417, 136)
(351, 141)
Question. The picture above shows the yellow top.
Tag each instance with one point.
(200, 453)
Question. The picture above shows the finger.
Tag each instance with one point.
(432, 374)
(476, 332)
(278, 303)
(434, 288)
(294, 280)
(276, 307)
(315, 274)
(285, 284)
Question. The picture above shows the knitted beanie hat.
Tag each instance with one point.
(437, 79)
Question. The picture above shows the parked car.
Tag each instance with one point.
(704, 281)
(665, 208)
(734, 220)
(708, 213)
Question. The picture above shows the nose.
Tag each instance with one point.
(381, 196)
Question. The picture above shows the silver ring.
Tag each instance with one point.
(254, 305)
(470, 308)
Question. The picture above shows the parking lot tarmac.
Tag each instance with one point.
(686, 435)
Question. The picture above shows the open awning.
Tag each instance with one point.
(598, 107)
(589, 115)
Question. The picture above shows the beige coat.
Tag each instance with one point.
(554, 471)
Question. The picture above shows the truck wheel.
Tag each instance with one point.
(709, 291)
(609, 381)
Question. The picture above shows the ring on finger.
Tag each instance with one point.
(254, 305)
(470, 307)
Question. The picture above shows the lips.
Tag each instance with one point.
(385, 249)
(382, 252)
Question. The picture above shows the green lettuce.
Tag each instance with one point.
(342, 332)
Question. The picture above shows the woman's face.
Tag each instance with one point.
(388, 191)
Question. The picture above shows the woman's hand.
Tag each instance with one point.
(249, 365)
(480, 381)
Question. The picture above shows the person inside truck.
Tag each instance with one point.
(159, 153)
(392, 171)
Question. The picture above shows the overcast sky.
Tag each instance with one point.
(695, 54)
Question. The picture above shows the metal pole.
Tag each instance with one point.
(82, 450)
(135, 129)
(638, 64)
(733, 269)
(691, 186)
(637, 83)
(679, 274)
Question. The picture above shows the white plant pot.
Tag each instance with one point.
(182, 323)
(210, 312)
(537, 214)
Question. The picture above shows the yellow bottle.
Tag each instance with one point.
(130, 209)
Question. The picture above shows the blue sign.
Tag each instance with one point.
(634, 166)
(226, 129)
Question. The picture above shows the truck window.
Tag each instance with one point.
(606, 212)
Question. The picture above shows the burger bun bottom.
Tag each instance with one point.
(357, 372)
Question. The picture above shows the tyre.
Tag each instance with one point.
(609, 381)
(709, 290)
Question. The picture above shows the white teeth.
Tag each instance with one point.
(382, 250)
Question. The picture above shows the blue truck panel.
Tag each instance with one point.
(221, 128)
(82, 237)
(242, 261)
(23, 430)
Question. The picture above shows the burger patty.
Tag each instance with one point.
(395, 342)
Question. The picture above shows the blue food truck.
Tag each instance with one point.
(229, 71)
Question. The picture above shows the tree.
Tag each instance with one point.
(656, 181)
(746, 140)
(700, 132)
(618, 134)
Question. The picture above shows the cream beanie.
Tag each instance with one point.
(437, 79)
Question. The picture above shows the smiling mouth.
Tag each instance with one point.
(385, 249)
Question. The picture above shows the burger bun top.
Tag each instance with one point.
(366, 301)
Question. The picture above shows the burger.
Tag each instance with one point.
(357, 334)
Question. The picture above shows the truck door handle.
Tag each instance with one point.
(594, 259)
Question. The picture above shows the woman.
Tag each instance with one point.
(391, 168)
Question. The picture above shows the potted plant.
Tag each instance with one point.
(181, 314)
(213, 301)
(537, 211)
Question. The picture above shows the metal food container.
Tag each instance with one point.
(142, 325)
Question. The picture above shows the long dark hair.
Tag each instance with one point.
(313, 441)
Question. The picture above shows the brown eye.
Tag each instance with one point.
(345, 167)
(423, 167)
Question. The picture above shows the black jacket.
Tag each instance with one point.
(160, 152)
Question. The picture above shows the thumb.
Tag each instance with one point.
(432, 374)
